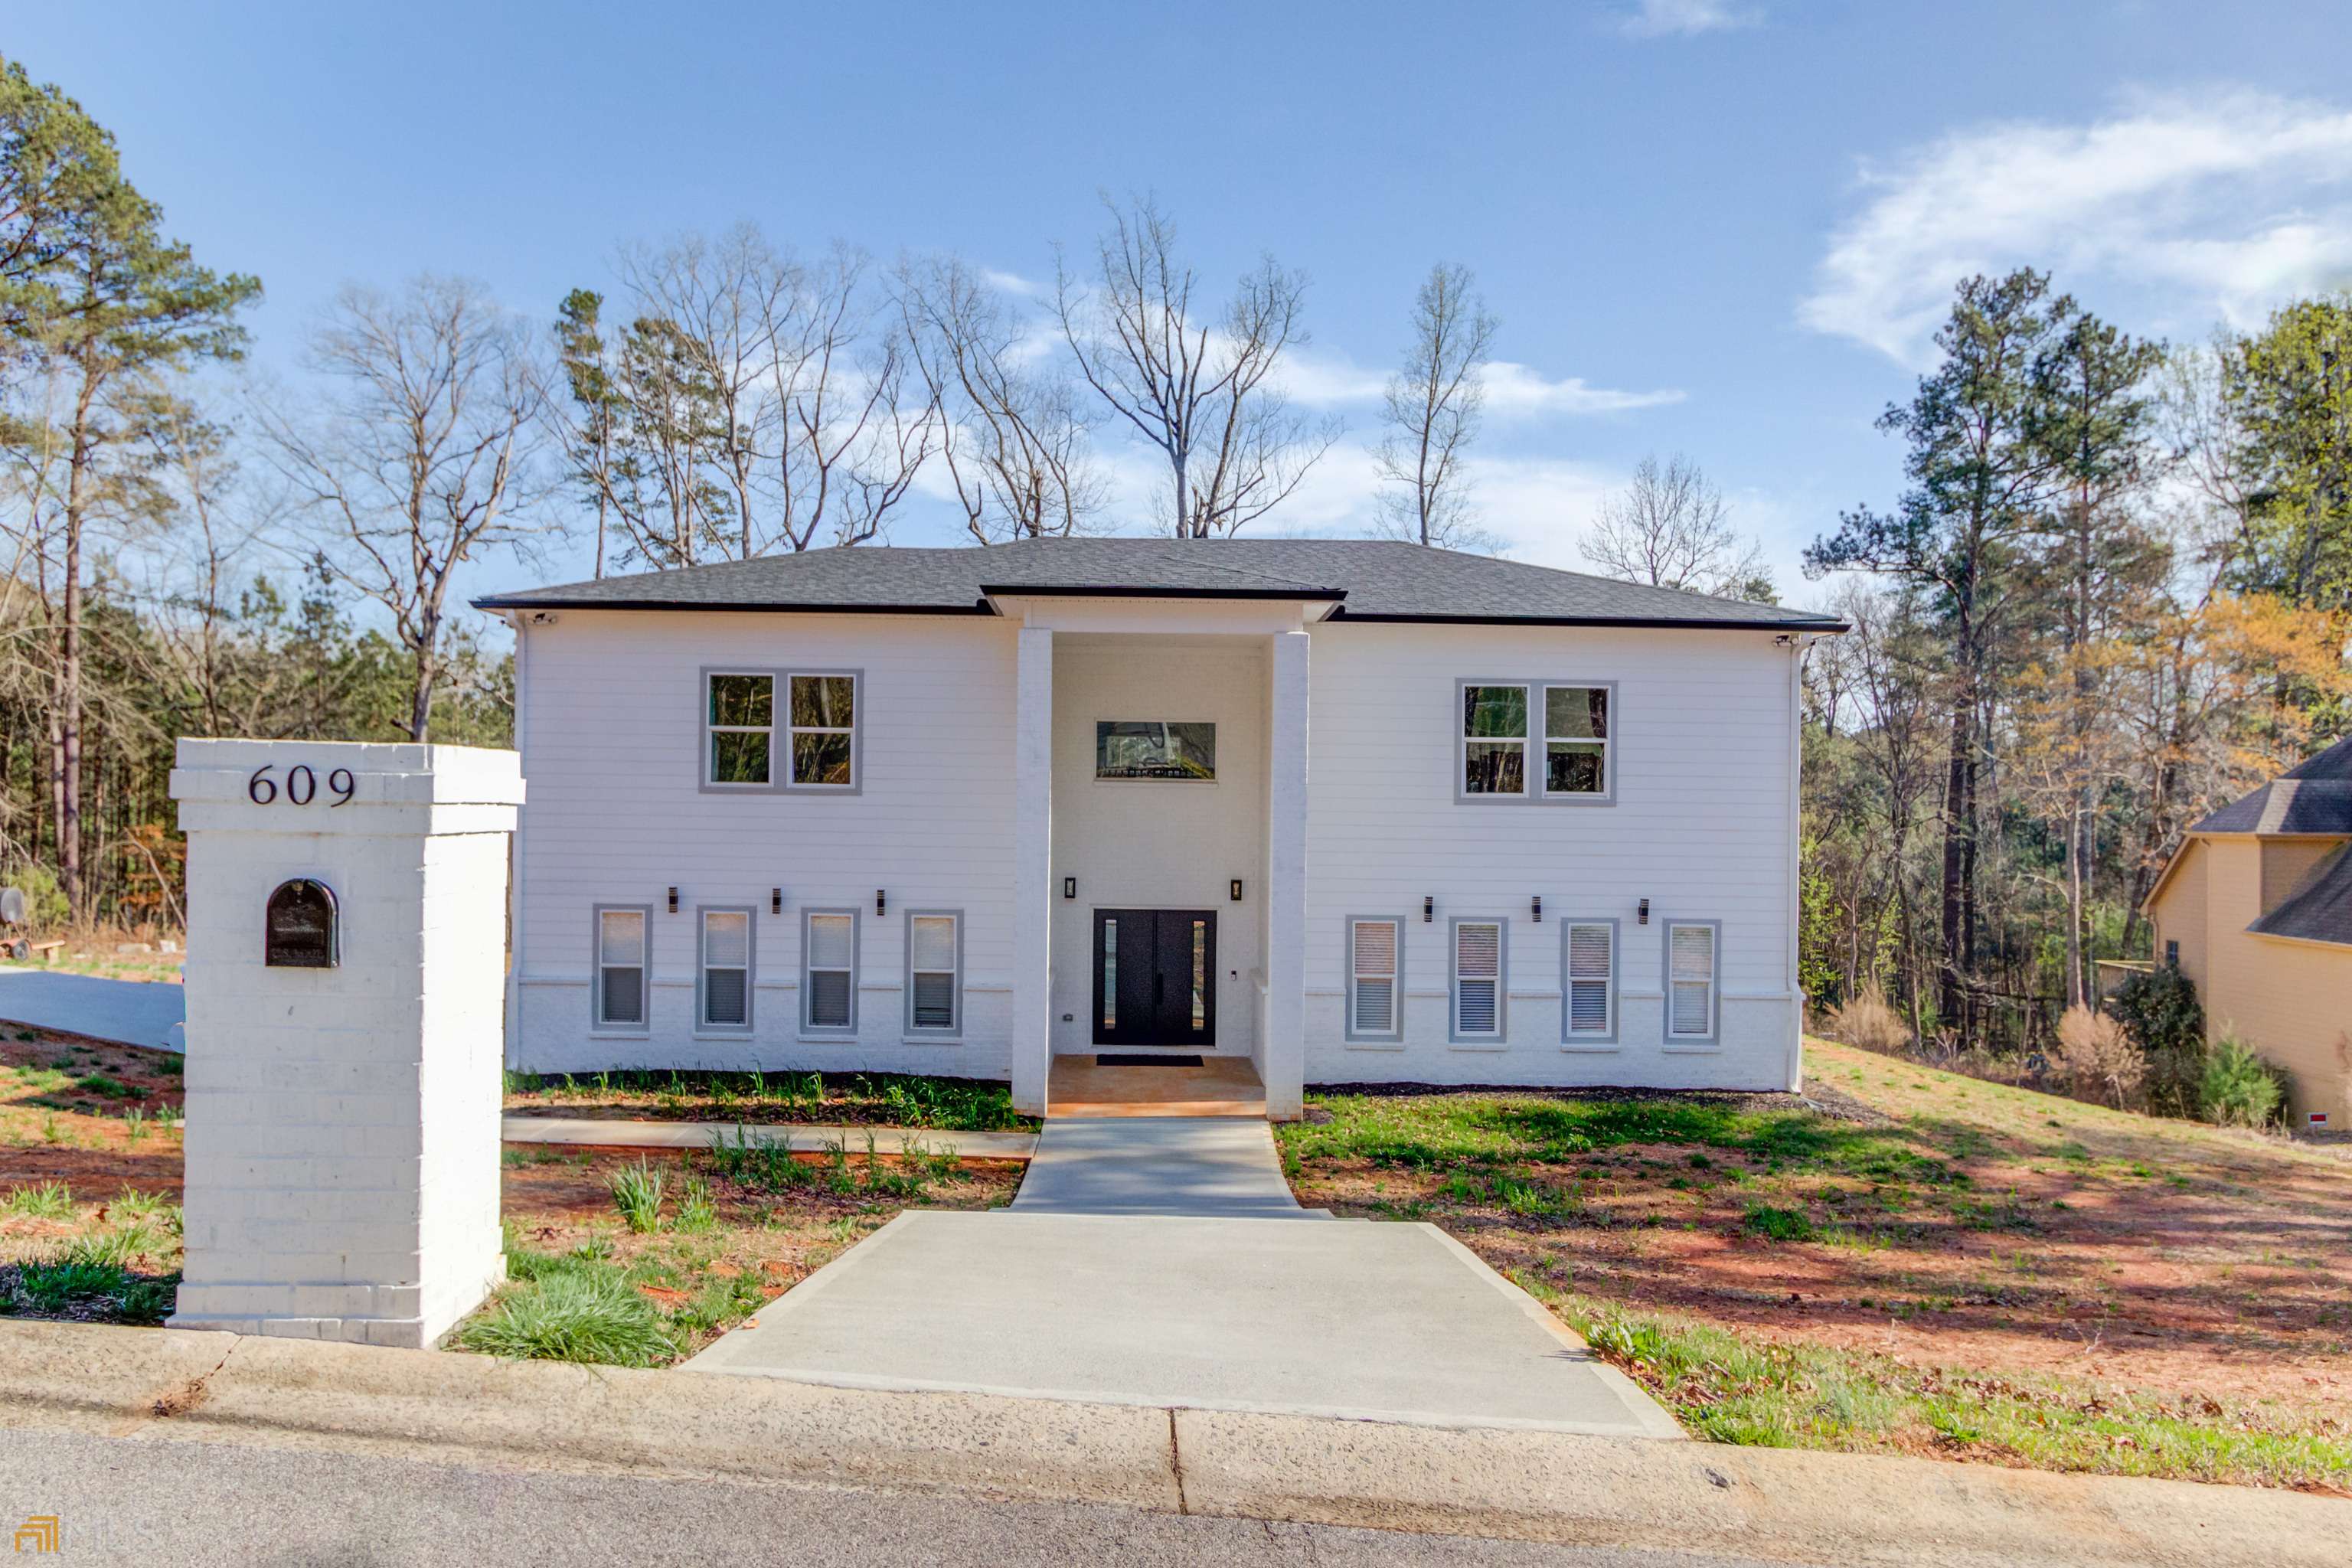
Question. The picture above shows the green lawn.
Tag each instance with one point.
(1906, 1261)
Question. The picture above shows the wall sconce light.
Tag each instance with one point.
(1641, 916)
(673, 901)
(1428, 909)
(1069, 886)
(1535, 904)
(880, 901)
(1236, 893)
(775, 900)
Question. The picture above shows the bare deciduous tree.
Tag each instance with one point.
(1671, 528)
(1011, 434)
(1204, 395)
(752, 402)
(1432, 404)
(425, 457)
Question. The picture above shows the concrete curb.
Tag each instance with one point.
(163, 1385)
(596, 1133)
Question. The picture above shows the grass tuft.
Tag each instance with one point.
(49, 1199)
(579, 1312)
(637, 1192)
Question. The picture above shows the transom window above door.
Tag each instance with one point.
(811, 744)
(1535, 739)
(1155, 748)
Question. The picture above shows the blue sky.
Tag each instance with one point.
(1710, 227)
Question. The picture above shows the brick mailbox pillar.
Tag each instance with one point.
(345, 975)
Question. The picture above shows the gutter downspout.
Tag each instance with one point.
(515, 948)
(1796, 1064)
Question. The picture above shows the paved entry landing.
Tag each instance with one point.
(1350, 1318)
(1210, 1166)
(1159, 1262)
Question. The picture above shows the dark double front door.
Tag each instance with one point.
(1156, 977)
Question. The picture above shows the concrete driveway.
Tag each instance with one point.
(127, 1012)
(1161, 1262)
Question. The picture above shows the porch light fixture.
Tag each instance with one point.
(880, 901)
(1428, 909)
(673, 901)
(775, 900)
(1536, 906)
(1236, 893)
(1069, 886)
(1642, 917)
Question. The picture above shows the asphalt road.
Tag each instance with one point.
(152, 1502)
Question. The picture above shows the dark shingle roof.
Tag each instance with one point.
(2320, 906)
(1375, 580)
(2316, 797)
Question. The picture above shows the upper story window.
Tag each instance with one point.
(818, 727)
(1154, 749)
(1535, 740)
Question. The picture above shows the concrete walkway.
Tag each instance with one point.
(1210, 1166)
(598, 1132)
(1354, 1320)
(127, 1012)
(1151, 1261)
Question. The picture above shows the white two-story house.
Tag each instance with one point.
(1354, 811)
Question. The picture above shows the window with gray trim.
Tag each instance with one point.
(1535, 740)
(823, 713)
(1693, 998)
(723, 977)
(1576, 739)
(1478, 968)
(780, 729)
(829, 972)
(1588, 981)
(934, 972)
(739, 716)
(1375, 977)
(623, 936)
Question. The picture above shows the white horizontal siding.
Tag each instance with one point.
(612, 733)
(1701, 826)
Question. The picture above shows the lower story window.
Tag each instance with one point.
(621, 969)
(1589, 987)
(934, 972)
(726, 969)
(1691, 999)
(829, 971)
(1477, 980)
(1373, 953)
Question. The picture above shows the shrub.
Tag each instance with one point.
(2100, 1056)
(1866, 1019)
(46, 907)
(582, 1315)
(2238, 1088)
(638, 1193)
(2160, 1012)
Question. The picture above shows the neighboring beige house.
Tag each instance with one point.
(2256, 909)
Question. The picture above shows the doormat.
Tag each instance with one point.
(1128, 1059)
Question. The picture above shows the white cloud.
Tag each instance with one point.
(1326, 381)
(1685, 18)
(2224, 201)
(1519, 389)
(1012, 283)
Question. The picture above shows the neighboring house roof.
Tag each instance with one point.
(2315, 797)
(1369, 580)
(2320, 906)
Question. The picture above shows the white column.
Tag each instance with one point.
(342, 1123)
(1033, 867)
(1286, 879)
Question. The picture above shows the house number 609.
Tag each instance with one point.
(301, 785)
